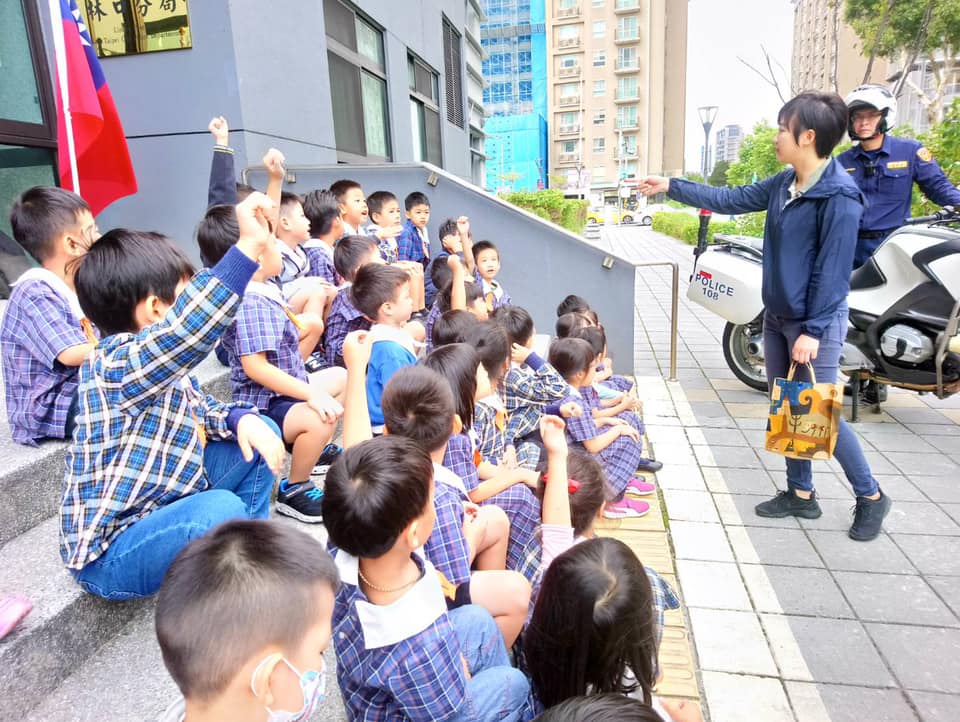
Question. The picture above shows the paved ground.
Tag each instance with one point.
(791, 619)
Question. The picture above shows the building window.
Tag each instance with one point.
(599, 29)
(627, 28)
(568, 32)
(598, 3)
(358, 81)
(599, 58)
(599, 174)
(452, 74)
(627, 116)
(424, 111)
(599, 145)
(568, 146)
(568, 119)
(599, 117)
(626, 58)
(627, 87)
(564, 4)
(569, 90)
(599, 88)
(569, 61)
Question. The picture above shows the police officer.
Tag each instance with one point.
(885, 168)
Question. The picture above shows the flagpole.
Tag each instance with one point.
(60, 54)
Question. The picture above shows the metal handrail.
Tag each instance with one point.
(674, 307)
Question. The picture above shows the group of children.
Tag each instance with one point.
(460, 513)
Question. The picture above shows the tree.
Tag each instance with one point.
(719, 175)
(694, 176)
(911, 30)
(758, 157)
(943, 141)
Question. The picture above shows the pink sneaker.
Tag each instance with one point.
(639, 487)
(12, 610)
(625, 509)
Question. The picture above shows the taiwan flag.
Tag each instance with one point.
(103, 162)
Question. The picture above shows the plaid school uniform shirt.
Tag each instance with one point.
(343, 319)
(398, 661)
(320, 261)
(262, 325)
(591, 398)
(527, 388)
(447, 547)
(413, 244)
(41, 321)
(432, 317)
(142, 418)
(620, 458)
(494, 294)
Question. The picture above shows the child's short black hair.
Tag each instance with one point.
(481, 246)
(288, 200)
(610, 707)
(320, 208)
(572, 304)
(452, 327)
(374, 285)
(244, 586)
(440, 272)
(448, 228)
(244, 190)
(217, 232)
(418, 405)
(493, 348)
(40, 215)
(340, 188)
(570, 322)
(350, 253)
(593, 335)
(457, 363)
(824, 113)
(591, 490)
(570, 356)
(372, 493)
(377, 200)
(121, 269)
(415, 199)
(516, 321)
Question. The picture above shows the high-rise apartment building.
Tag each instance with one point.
(515, 97)
(617, 87)
(727, 145)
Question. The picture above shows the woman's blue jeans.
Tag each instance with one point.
(137, 560)
(779, 336)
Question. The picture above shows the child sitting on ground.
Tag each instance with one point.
(413, 243)
(452, 327)
(154, 461)
(457, 292)
(385, 214)
(265, 350)
(43, 341)
(243, 618)
(353, 206)
(615, 442)
(454, 238)
(572, 304)
(486, 259)
(418, 405)
(326, 227)
(382, 294)
(400, 653)
(349, 255)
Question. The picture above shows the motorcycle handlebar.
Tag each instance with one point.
(945, 214)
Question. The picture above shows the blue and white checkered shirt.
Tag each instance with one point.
(41, 321)
(262, 326)
(526, 390)
(343, 319)
(137, 445)
(412, 244)
(447, 547)
(320, 259)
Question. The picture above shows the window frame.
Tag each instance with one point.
(426, 103)
(44, 134)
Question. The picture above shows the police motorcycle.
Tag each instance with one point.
(904, 307)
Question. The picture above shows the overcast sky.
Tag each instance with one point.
(718, 32)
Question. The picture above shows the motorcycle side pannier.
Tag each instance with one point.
(728, 284)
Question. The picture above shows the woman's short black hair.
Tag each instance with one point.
(824, 113)
(600, 708)
(457, 363)
(123, 268)
(41, 214)
(372, 493)
(321, 209)
(592, 491)
(572, 304)
(374, 285)
(493, 348)
(600, 589)
(517, 322)
(452, 327)
(418, 404)
(570, 356)
(350, 253)
(218, 230)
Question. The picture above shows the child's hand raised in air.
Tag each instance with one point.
(463, 226)
(356, 350)
(327, 407)
(454, 263)
(552, 433)
(518, 353)
(273, 160)
(254, 435)
(571, 410)
(255, 235)
(220, 130)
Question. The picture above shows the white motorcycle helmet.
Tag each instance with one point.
(872, 96)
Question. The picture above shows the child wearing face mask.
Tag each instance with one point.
(243, 619)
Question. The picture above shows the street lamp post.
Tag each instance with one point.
(708, 114)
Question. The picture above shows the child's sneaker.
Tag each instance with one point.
(316, 362)
(329, 455)
(639, 487)
(625, 509)
(303, 502)
(649, 466)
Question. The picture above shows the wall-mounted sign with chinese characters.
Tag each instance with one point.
(127, 27)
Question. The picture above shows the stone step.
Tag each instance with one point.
(31, 478)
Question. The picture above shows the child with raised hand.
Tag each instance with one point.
(326, 227)
(457, 292)
(154, 461)
(243, 619)
(400, 652)
(455, 239)
(43, 339)
(616, 444)
(508, 487)
(486, 258)
(452, 327)
(222, 189)
(265, 350)
(384, 212)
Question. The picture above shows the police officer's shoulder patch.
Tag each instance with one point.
(924, 154)
(851, 170)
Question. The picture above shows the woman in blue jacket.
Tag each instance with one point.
(813, 213)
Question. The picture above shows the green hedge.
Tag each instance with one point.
(685, 226)
(569, 213)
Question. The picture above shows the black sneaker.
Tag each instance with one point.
(316, 362)
(873, 393)
(329, 455)
(649, 465)
(786, 503)
(868, 517)
(303, 502)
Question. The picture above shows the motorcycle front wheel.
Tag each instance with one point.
(743, 352)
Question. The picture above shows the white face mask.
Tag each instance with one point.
(313, 684)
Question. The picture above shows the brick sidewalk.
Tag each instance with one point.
(791, 619)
